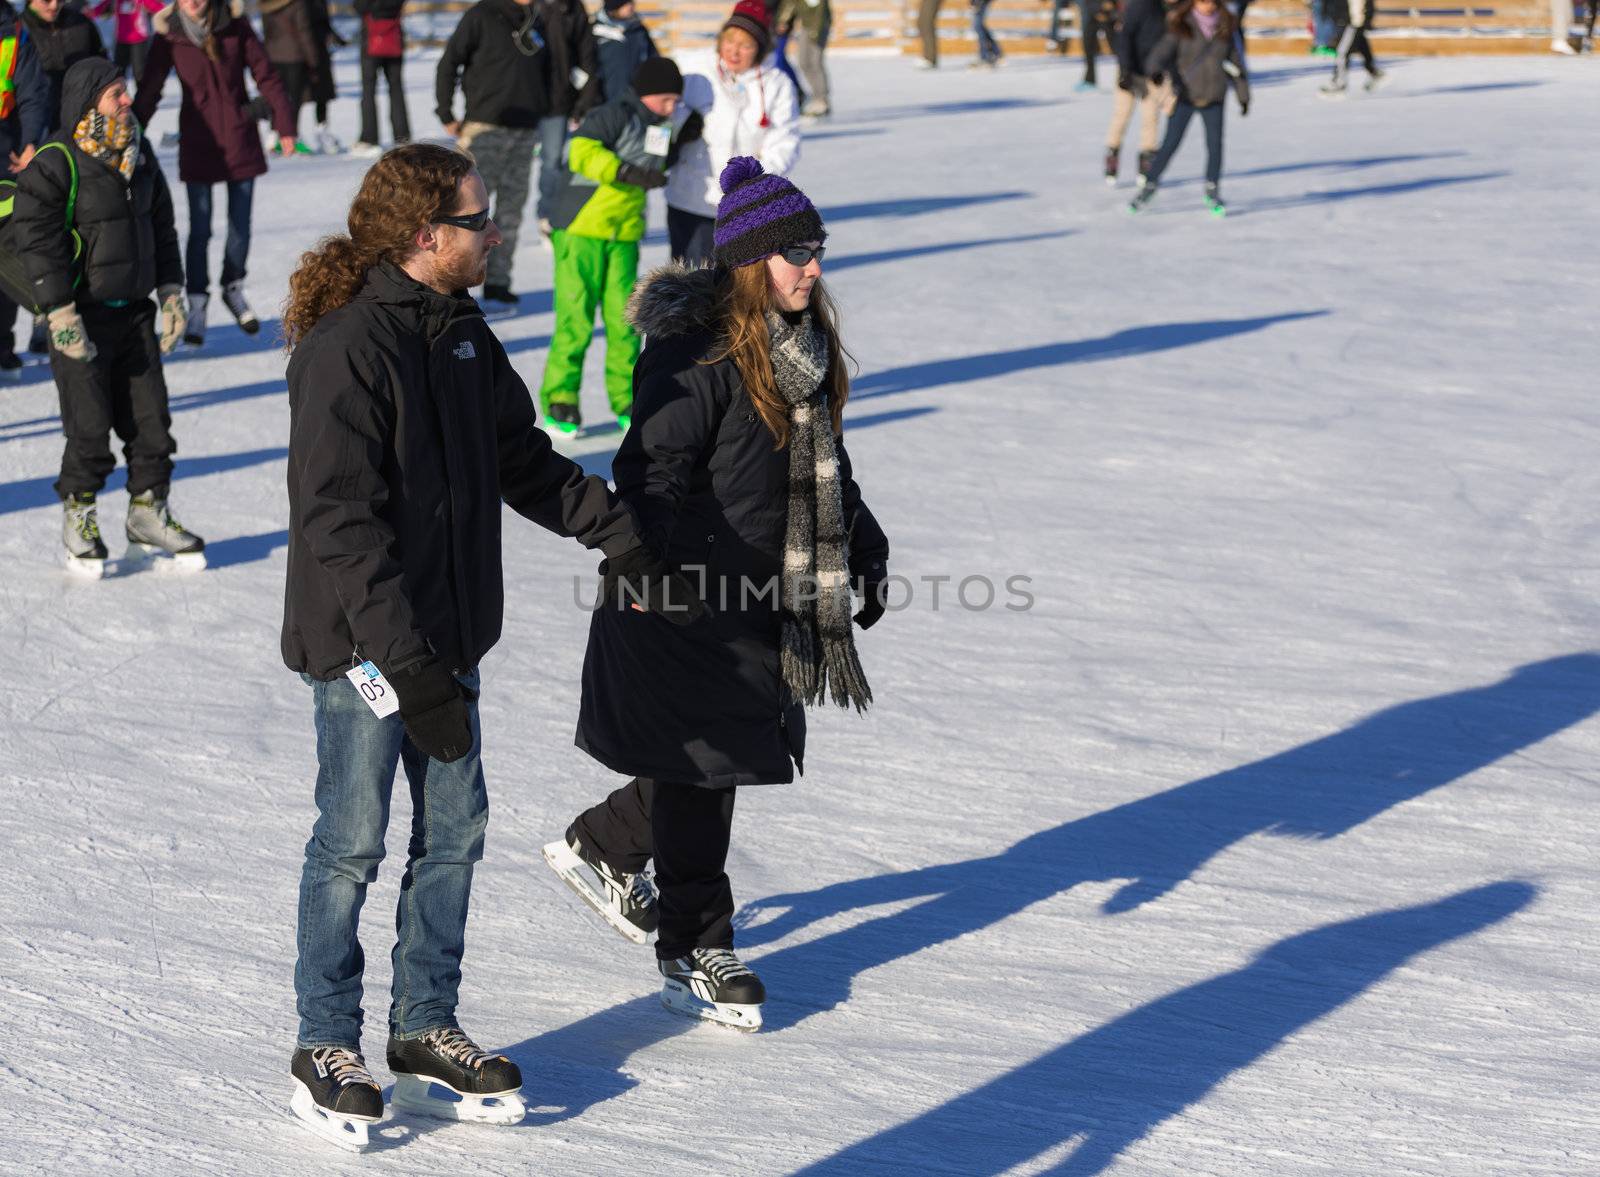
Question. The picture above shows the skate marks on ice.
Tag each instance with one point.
(1316, 791)
(1131, 341)
(1104, 1091)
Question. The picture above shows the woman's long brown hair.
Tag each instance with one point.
(402, 192)
(744, 300)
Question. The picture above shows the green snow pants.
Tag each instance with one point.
(591, 272)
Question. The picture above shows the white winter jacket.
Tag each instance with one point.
(732, 107)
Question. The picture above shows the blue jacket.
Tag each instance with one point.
(31, 118)
(623, 45)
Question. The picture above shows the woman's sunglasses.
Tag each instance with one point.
(801, 255)
(473, 222)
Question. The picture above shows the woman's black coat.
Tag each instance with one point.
(704, 703)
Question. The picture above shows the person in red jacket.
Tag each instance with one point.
(211, 46)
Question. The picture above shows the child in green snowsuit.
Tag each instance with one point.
(619, 152)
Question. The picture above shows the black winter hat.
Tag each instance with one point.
(82, 86)
(657, 75)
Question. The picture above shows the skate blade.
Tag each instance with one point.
(142, 555)
(676, 997)
(86, 568)
(573, 872)
(413, 1093)
(348, 1133)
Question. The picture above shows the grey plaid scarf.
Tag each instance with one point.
(819, 650)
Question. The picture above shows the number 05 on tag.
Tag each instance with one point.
(374, 688)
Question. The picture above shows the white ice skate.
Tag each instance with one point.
(715, 985)
(80, 532)
(626, 902)
(155, 538)
(346, 1132)
(487, 1087)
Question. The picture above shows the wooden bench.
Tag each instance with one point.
(1021, 26)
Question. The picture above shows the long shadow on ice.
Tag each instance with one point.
(1112, 1086)
(1315, 791)
(1356, 163)
(244, 549)
(1131, 341)
(176, 403)
(1479, 88)
(1398, 188)
(39, 492)
(835, 264)
(913, 206)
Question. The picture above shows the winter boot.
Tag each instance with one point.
(1113, 155)
(335, 1095)
(563, 420)
(233, 298)
(194, 332)
(80, 532)
(1214, 201)
(154, 534)
(627, 902)
(487, 1084)
(714, 984)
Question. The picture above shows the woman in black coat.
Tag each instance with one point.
(736, 468)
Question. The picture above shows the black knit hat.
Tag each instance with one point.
(657, 75)
(760, 215)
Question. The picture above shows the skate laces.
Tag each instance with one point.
(86, 521)
(641, 891)
(720, 964)
(456, 1046)
(344, 1064)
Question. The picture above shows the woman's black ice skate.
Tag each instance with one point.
(714, 984)
(1214, 201)
(334, 1095)
(627, 902)
(486, 1085)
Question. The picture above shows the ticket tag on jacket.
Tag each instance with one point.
(657, 140)
(374, 688)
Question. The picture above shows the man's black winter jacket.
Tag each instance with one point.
(499, 52)
(408, 428)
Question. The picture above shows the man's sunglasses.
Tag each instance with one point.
(474, 222)
(801, 255)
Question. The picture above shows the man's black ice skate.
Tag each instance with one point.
(714, 984)
(1214, 201)
(1142, 198)
(334, 1095)
(486, 1085)
(1113, 155)
(627, 902)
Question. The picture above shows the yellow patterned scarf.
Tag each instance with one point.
(116, 141)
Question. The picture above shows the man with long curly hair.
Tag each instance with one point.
(408, 428)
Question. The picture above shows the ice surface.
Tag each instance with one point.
(1263, 844)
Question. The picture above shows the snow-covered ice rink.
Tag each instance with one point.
(1262, 844)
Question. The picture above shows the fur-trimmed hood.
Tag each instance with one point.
(675, 300)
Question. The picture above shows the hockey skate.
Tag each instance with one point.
(713, 984)
(194, 331)
(80, 532)
(626, 902)
(487, 1086)
(335, 1095)
(233, 298)
(153, 534)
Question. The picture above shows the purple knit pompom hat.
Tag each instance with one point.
(760, 215)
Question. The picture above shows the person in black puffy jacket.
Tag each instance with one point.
(93, 282)
(1201, 53)
(61, 37)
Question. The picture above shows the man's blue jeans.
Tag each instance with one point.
(357, 754)
(235, 250)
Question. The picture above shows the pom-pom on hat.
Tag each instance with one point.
(760, 215)
(751, 17)
(656, 75)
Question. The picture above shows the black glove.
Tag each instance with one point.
(1157, 78)
(1244, 109)
(645, 178)
(693, 127)
(640, 579)
(871, 594)
(434, 707)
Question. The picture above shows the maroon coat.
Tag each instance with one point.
(217, 139)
